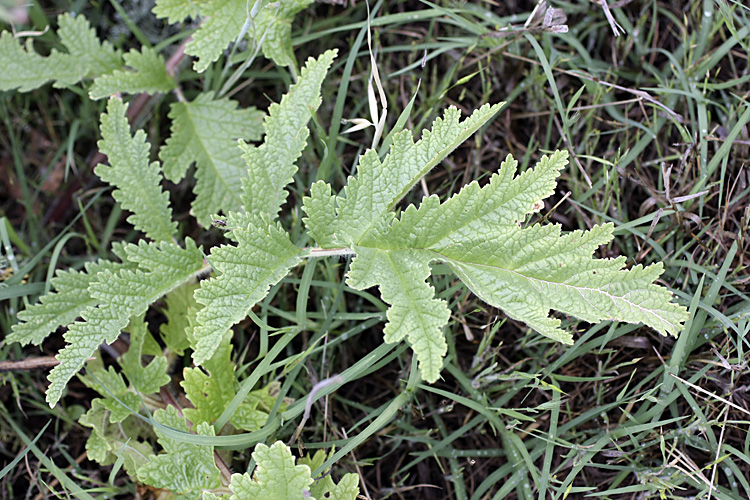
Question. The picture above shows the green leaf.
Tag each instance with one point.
(222, 23)
(271, 165)
(145, 379)
(262, 257)
(212, 390)
(87, 57)
(121, 295)
(525, 272)
(178, 302)
(184, 468)
(137, 180)
(370, 197)
(147, 74)
(274, 24)
(205, 131)
(324, 487)
(108, 440)
(61, 307)
(276, 476)
(116, 396)
(176, 11)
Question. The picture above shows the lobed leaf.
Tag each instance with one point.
(263, 256)
(86, 57)
(525, 272)
(205, 131)
(147, 74)
(185, 468)
(121, 295)
(137, 180)
(277, 476)
(144, 379)
(61, 307)
(271, 165)
(109, 440)
(274, 25)
(370, 197)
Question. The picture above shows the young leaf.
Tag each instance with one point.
(271, 165)
(108, 440)
(121, 295)
(145, 379)
(185, 468)
(347, 488)
(137, 180)
(276, 476)
(211, 391)
(148, 74)
(261, 258)
(178, 302)
(87, 57)
(205, 131)
(116, 396)
(224, 21)
(61, 307)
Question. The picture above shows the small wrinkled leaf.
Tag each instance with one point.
(147, 73)
(276, 476)
(184, 468)
(25, 70)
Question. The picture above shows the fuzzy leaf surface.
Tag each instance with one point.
(271, 165)
(205, 132)
(274, 24)
(137, 180)
(262, 257)
(23, 69)
(61, 307)
(526, 272)
(370, 197)
(276, 476)
(120, 295)
(108, 440)
(147, 73)
(222, 22)
(185, 468)
(145, 379)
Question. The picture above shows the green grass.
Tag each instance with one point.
(656, 123)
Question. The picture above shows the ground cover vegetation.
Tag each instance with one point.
(383, 311)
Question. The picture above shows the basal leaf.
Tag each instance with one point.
(205, 131)
(184, 468)
(86, 57)
(147, 73)
(137, 180)
(262, 257)
(120, 295)
(271, 165)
